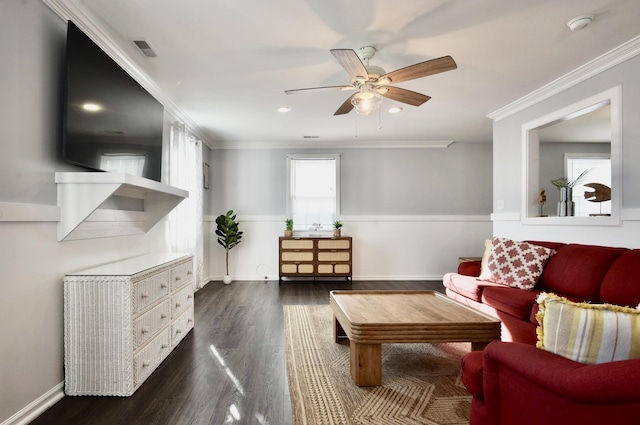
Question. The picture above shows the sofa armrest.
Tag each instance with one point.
(472, 373)
(470, 268)
(607, 383)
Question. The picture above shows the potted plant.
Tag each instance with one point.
(288, 232)
(228, 236)
(337, 226)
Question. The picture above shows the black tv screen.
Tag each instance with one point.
(111, 123)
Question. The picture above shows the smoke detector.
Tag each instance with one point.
(579, 22)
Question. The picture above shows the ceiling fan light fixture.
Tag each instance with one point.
(366, 103)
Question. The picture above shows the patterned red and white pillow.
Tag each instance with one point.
(516, 264)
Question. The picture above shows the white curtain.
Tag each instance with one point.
(185, 221)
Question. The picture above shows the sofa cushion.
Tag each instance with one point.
(621, 284)
(516, 264)
(588, 333)
(513, 301)
(484, 263)
(467, 286)
(578, 270)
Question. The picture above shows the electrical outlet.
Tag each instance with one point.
(500, 204)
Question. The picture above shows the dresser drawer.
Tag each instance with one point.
(296, 244)
(181, 275)
(334, 256)
(334, 243)
(148, 291)
(292, 256)
(150, 357)
(181, 327)
(181, 301)
(149, 323)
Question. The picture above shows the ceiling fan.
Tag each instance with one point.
(372, 82)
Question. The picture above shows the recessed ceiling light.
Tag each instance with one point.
(91, 107)
(395, 110)
(283, 109)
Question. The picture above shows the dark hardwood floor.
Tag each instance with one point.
(229, 370)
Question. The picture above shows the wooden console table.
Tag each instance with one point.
(315, 257)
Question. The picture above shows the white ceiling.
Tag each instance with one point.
(226, 64)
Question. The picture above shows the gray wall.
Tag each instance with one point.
(507, 170)
(33, 263)
(417, 181)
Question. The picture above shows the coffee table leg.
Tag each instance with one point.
(338, 331)
(366, 364)
(478, 346)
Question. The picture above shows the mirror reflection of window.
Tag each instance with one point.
(123, 163)
(592, 125)
(598, 170)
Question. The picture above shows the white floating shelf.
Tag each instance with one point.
(80, 196)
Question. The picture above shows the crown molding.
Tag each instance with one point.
(68, 10)
(354, 144)
(600, 64)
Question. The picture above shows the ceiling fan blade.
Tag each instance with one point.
(422, 69)
(404, 95)
(351, 62)
(318, 89)
(346, 107)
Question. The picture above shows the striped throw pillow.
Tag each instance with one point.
(587, 333)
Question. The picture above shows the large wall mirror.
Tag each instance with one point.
(572, 164)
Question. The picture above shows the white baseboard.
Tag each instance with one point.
(355, 278)
(37, 407)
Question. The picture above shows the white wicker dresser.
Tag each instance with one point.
(121, 320)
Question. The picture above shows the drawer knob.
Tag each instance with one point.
(145, 329)
(163, 285)
(178, 278)
(189, 271)
(178, 331)
(145, 363)
(163, 345)
(163, 315)
(144, 294)
(189, 296)
(189, 320)
(178, 304)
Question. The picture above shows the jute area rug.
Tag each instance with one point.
(420, 382)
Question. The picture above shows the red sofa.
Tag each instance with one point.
(516, 383)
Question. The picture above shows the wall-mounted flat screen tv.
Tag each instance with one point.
(111, 123)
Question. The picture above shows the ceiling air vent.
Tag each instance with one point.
(145, 48)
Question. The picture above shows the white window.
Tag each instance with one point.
(313, 194)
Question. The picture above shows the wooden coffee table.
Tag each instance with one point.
(372, 318)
